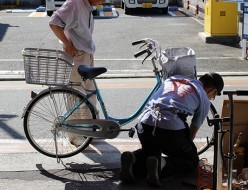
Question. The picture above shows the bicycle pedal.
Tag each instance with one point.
(131, 132)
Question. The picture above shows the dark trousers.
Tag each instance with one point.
(181, 153)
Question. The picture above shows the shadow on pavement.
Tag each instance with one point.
(99, 177)
(3, 126)
(3, 30)
(83, 176)
(105, 174)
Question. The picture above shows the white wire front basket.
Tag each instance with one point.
(46, 66)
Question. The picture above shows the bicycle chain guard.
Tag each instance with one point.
(95, 128)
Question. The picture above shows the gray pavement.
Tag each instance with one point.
(170, 31)
(21, 167)
(98, 167)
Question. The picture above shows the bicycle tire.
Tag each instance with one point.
(41, 115)
(205, 135)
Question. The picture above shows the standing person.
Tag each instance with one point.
(163, 129)
(73, 24)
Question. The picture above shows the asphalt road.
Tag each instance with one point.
(23, 168)
(113, 38)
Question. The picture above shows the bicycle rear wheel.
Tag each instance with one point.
(44, 111)
(205, 135)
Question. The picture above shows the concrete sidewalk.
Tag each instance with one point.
(98, 167)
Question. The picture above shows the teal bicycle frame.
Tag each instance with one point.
(124, 121)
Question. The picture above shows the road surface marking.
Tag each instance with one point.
(117, 59)
(8, 146)
(37, 14)
(97, 146)
(176, 13)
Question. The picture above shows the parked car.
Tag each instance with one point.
(53, 5)
(130, 5)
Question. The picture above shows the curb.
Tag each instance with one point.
(19, 75)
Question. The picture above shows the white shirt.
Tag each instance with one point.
(75, 16)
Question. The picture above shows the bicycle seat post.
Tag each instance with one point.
(95, 84)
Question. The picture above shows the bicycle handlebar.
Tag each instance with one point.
(151, 45)
(137, 42)
(140, 53)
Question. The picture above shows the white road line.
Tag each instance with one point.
(171, 13)
(199, 21)
(98, 146)
(116, 59)
(37, 14)
(32, 14)
(130, 73)
(10, 60)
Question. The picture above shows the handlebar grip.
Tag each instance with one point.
(137, 42)
(140, 53)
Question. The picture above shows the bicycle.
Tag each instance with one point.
(47, 117)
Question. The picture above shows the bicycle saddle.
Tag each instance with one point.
(90, 72)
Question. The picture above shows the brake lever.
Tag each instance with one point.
(148, 54)
(143, 45)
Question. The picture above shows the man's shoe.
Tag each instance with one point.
(126, 173)
(152, 171)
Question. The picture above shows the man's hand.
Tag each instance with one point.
(71, 50)
(59, 32)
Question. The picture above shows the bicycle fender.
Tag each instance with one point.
(31, 101)
(51, 89)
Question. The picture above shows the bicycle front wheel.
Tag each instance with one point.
(44, 111)
(205, 135)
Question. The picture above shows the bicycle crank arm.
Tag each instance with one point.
(95, 128)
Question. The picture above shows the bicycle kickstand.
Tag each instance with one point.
(56, 146)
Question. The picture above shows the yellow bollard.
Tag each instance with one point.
(221, 18)
(220, 22)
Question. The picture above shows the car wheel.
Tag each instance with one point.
(49, 13)
(165, 10)
(127, 10)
